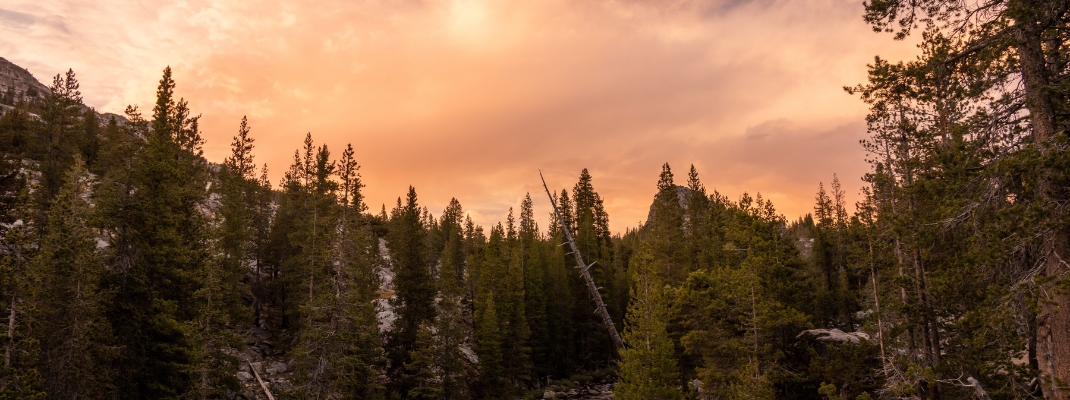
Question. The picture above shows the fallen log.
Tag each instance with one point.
(262, 385)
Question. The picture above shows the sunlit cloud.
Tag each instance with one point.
(471, 98)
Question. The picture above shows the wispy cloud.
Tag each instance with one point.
(469, 98)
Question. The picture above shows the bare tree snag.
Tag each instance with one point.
(979, 392)
(262, 385)
(585, 273)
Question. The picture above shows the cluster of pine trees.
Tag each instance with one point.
(950, 278)
(131, 267)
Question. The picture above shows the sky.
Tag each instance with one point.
(472, 98)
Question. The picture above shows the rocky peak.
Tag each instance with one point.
(682, 193)
(20, 82)
(22, 86)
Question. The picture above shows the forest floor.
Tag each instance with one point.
(262, 352)
(588, 391)
(599, 391)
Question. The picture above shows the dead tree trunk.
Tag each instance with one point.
(261, 381)
(585, 273)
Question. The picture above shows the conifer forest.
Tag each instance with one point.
(132, 267)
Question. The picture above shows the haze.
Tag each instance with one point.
(470, 98)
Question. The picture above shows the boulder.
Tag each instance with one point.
(835, 335)
(260, 333)
(282, 385)
(277, 368)
(244, 376)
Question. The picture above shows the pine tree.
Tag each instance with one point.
(414, 284)
(560, 297)
(953, 187)
(647, 367)
(667, 222)
(20, 375)
(59, 134)
(224, 288)
(489, 341)
(745, 309)
(419, 371)
(835, 303)
(339, 348)
(698, 225)
(450, 327)
(66, 310)
(452, 259)
(534, 275)
(514, 319)
(154, 277)
(591, 232)
(238, 187)
(264, 197)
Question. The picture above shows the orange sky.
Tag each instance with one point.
(469, 98)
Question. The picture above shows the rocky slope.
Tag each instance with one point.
(20, 82)
(18, 85)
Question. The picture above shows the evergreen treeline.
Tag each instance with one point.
(131, 267)
(134, 268)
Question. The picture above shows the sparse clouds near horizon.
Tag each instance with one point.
(470, 98)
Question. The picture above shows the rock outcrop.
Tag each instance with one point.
(835, 335)
(682, 192)
(19, 83)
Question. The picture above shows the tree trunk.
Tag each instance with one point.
(10, 334)
(1053, 331)
(600, 306)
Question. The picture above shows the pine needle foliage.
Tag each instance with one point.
(647, 366)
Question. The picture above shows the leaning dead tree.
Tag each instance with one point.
(585, 273)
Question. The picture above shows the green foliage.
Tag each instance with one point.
(450, 326)
(158, 243)
(19, 379)
(58, 135)
(749, 383)
(952, 200)
(20, 374)
(666, 226)
(414, 302)
(141, 281)
(647, 367)
(65, 304)
(489, 341)
(418, 373)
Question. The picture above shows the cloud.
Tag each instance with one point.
(470, 98)
(16, 17)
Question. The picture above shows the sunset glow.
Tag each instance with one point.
(471, 98)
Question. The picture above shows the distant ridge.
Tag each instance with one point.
(20, 82)
(22, 86)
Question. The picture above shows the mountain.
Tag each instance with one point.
(18, 85)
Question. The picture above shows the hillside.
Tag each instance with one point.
(19, 86)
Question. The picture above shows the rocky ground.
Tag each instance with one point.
(261, 356)
(591, 391)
